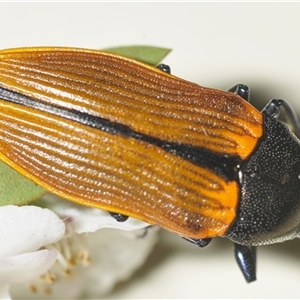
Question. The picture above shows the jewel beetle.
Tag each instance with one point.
(109, 132)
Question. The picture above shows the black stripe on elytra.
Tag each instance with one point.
(223, 165)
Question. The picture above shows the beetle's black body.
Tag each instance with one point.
(269, 207)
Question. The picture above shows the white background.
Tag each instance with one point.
(216, 45)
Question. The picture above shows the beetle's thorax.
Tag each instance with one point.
(269, 209)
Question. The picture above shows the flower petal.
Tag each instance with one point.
(26, 267)
(91, 220)
(117, 255)
(85, 219)
(28, 228)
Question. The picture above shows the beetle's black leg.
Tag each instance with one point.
(241, 90)
(198, 242)
(272, 110)
(164, 68)
(246, 259)
(118, 217)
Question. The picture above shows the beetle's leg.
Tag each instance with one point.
(273, 108)
(164, 68)
(246, 259)
(241, 90)
(118, 217)
(198, 242)
(123, 218)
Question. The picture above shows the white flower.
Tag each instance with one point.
(23, 232)
(89, 260)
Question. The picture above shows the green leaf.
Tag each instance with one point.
(148, 54)
(16, 189)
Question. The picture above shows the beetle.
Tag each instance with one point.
(112, 133)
